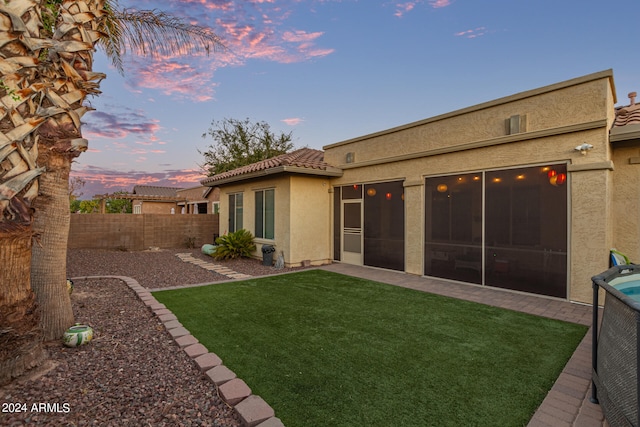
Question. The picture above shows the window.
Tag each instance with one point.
(235, 212)
(265, 218)
(216, 207)
(137, 209)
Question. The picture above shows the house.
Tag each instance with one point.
(193, 200)
(284, 201)
(527, 192)
(199, 200)
(146, 199)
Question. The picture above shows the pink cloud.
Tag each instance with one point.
(300, 36)
(251, 29)
(439, 3)
(408, 6)
(293, 121)
(472, 34)
(190, 81)
(403, 8)
(188, 176)
(102, 180)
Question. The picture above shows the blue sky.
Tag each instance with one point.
(331, 70)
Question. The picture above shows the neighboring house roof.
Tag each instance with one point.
(626, 125)
(153, 193)
(151, 190)
(303, 161)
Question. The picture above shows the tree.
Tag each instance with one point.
(116, 204)
(75, 185)
(85, 206)
(241, 142)
(46, 73)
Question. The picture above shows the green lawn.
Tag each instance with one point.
(324, 349)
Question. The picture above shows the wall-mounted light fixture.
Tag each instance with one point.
(583, 148)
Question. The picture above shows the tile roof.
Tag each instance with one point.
(628, 115)
(299, 160)
(626, 125)
(151, 190)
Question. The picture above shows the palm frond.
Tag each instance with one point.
(152, 33)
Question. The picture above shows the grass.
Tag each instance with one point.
(327, 349)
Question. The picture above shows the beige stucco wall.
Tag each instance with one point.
(576, 102)
(626, 199)
(590, 230)
(310, 220)
(248, 189)
(302, 220)
(559, 118)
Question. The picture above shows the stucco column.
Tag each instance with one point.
(591, 229)
(414, 223)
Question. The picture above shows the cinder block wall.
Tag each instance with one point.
(139, 232)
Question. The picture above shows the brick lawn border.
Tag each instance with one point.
(252, 409)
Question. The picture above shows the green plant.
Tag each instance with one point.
(238, 244)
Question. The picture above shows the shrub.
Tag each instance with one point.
(234, 245)
(190, 242)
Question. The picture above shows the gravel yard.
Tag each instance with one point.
(132, 373)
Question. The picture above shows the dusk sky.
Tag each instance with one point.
(331, 70)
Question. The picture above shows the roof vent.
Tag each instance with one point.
(351, 157)
(516, 124)
(632, 98)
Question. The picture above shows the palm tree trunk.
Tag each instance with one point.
(20, 338)
(60, 141)
(51, 228)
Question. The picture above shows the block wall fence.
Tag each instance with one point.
(140, 232)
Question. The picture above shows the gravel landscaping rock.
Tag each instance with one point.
(132, 373)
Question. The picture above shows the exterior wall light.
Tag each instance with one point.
(583, 148)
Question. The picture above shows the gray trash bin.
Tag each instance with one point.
(267, 254)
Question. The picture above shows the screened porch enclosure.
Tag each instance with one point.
(504, 228)
(369, 225)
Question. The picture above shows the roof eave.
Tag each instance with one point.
(625, 133)
(328, 172)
